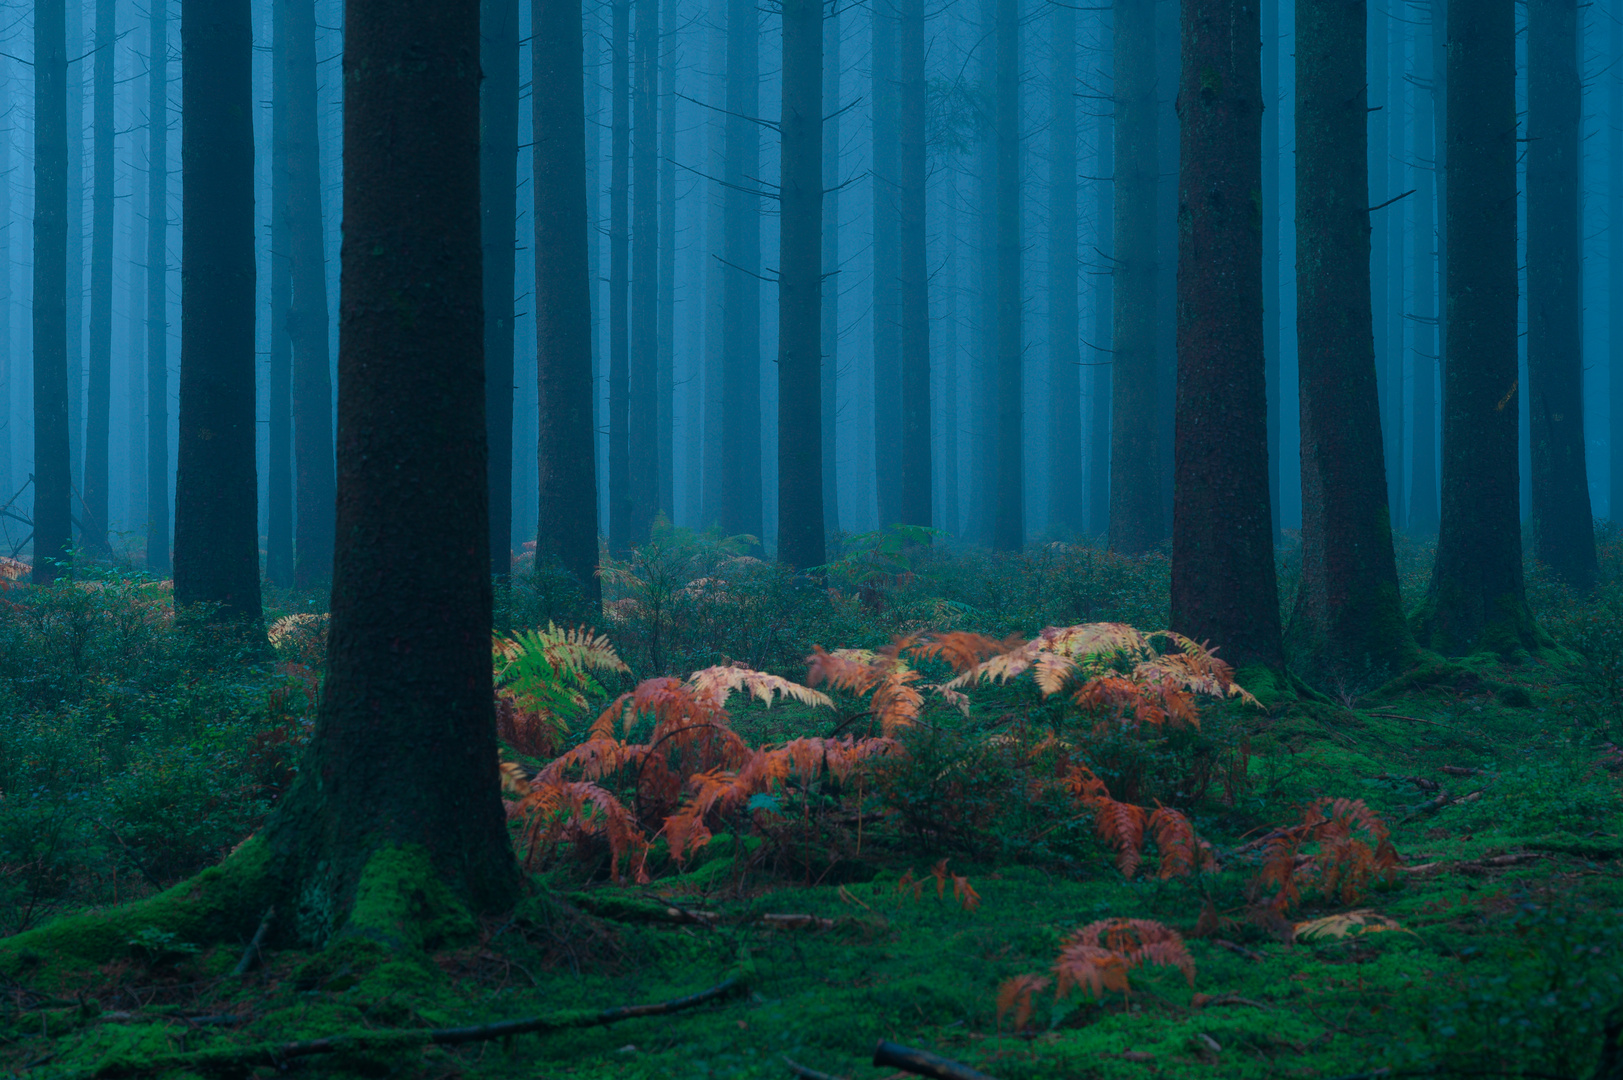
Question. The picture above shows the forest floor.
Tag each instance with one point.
(1495, 947)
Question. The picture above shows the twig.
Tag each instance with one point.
(923, 1063)
(808, 1074)
(250, 955)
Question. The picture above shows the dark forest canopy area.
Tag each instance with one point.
(686, 538)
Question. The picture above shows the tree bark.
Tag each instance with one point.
(567, 527)
(713, 504)
(620, 506)
(76, 258)
(642, 390)
(157, 313)
(665, 383)
(1065, 490)
(741, 383)
(374, 822)
(279, 519)
(53, 523)
(99, 398)
(831, 266)
(1137, 524)
(1101, 357)
(1477, 600)
(1347, 627)
(498, 209)
(1009, 527)
(917, 486)
(1614, 251)
(1399, 123)
(1423, 459)
(8, 355)
(800, 286)
(887, 298)
(1223, 584)
(1563, 524)
(1272, 308)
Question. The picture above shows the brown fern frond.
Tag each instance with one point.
(1121, 825)
(961, 649)
(1182, 852)
(581, 808)
(1100, 956)
(965, 894)
(1014, 998)
(896, 702)
(716, 684)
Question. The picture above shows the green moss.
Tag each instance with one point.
(400, 901)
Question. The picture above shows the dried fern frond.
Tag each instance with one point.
(1101, 955)
(717, 684)
(562, 810)
(1121, 825)
(895, 701)
(1014, 998)
(14, 569)
(1182, 851)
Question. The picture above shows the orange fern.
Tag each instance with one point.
(1101, 955)
(1354, 846)
(1014, 998)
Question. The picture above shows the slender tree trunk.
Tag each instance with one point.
(76, 259)
(1010, 523)
(1347, 626)
(308, 321)
(411, 576)
(498, 208)
(1439, 104)
(1223, 584)
(1065, 490)
(916, 485)
(1423, 460)
(8, 355)
(1136, 521)
(1477, 600)
(592, 82)
(643, 397)
(53, 523)
(1167, 68)
(279, 520)
(1378, 126)
(99, 404)
(800, 286)
(1101, 357)
(664, 450)
(831, 266)
(887, 299)
(713, 502)
(1563, 525)
(982, 515)
(741, 384)
(1272, 309)
(1398, 152)
(1614, 273)
(946, 512)
(157, 554)
(621, 529)
(567, 528)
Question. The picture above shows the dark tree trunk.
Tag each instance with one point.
(308, 322)
(1223, 585)
(1439, 104)
(665, 386)
(946, 507)
(498, 207)
(1398, 155)
(982, 514)
(411, 576)
(1614, 249)
(1009, 528)
(1477, 600)
(621, 531)
(1137, 524)
(1272, 309)
(279, 520)
(1100, 357)
(216, 497)
(1378, 128)
(53, 522)
(1563, 525)
(1065, 490)
(713, 505)
(887, 297)
(1423, 461)
(1347, 627)
(99, 399)
(800, 285)
(831, 266)
(643, 398)
(1167, 73)
(741, 383)
(567, 529)
(8, 357)
(916, 485)
(76, 257)
(157, 313)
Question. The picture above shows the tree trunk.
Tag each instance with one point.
(916, 486)
(1398, 154)
(887, 299)
(1223, 584)
(946, 508)
(8, 355)
(1101, 357)
(643, 398)
(76, 259)
(1614, 250)
(1136, 521)
(1009, 526)
(1347, 628)
(741, 382)
(498, 208)
(620, 507)
(1167, 67)
(713, 505)
(1272, 309)
(1065, 490)
(1423, 460)
(800, 286)
(567, 528)
(831, 266)
(665, 386)
(1378, 128)
(53, 523)
(157, 313)
(982, 513)
(308, 322)
(279, 518)
(1477, 600)
(411, 500)
(99, 401)
(1563, 525)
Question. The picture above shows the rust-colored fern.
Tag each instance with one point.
(1101, 956)
(1354, 846)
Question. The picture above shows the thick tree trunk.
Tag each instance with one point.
(1065, 491)
(741, 383)
(279, 519)
(157, 307)
(99, 399)
(916, 485)
(1347, 627)
(1563, 525)
(887, 298)
(800, 286)
(567, 528)
(53, 523)
(621, 531)
(1137, 524)
(1477, 600)
(1009, 527)
(1272, 309)
(831, 266)
(308, 322)
(374, 816)
(1101, 358)
(216, 498)
(642, 403)
(1223, 585)
(1423, 459)
(498, 207)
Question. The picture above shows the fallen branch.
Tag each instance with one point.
(923, 1063)
(808, 1074)
(1239, 949)
(1224, 999)
(1461, 770)
(799, 922)
(250, 955)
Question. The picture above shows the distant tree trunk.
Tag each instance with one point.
(664, 450)
(1398, 155)
(887, 298)
(1614, 249)
(800, 286)
(643, 389)
(8, 357)
(1065, 490)
(917, 486)
(1378, 127)
(1423, 461)
(831, 266)
(1136, 521)
(982, 513)
(76, 258)
(411, 576)
(1563, 525)
(216, 498)
(1272, 309)
(1009, 531)
(1101, 356)
(1168, 61)
(713, 505)
(1439, 104)
(1347, 625)
(946, 508)
(621, 529)
(157, 313)
(567, 529)
(741, 385)
(308, 321)
(53, 522)
(279, 520)
(498, 208)
(99, 403)
(1477, 599)
(1223, 583)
